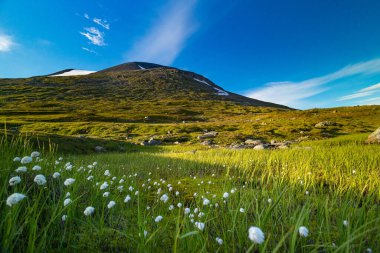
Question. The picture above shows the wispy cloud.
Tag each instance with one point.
(95, 36)
(166, 39)
(365, 92)
(86, 16)
(89, 50)
(6, 43)
(101, 22)
(294, 93)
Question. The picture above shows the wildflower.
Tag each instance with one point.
(67, 195)
(187, 210)
(256, 235)
(145, 233)
(21, 169)
(17, 159)
(111, 204)
(26, 159)
(137, 193)
(15, 198)
(121, 181)
(40, 179)
(179, 205)
(369, 250)
(114, 178)
(127, 199)
(130, 188)
(303, 231)
(201, 214)
(90, 178)
(345, 223)
(307, 192)
(225, 195)
(14, 180)
(56, 175)
(148, 207)
(89, 211)
(219, 241)
(107, 173)
(69, 181)
(233, 191)
(36, 167)
(120, 188)
(66, 202)
(196, 210)
(242, 210)
(164, 198)
(104, 186)
(35, 154)
(177, 193)
(206, 202)
(200, 225)
(269, 201)
(158, 218)
(106, 194)
(171, 207)
(64, 218)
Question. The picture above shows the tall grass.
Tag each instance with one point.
(318, 185)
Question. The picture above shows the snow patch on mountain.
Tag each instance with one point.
(141, 67)
(219, 91)
(75, 72)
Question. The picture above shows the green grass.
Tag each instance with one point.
(341, 176)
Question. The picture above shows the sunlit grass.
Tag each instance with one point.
(319, 185)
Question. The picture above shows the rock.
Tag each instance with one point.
(325, 124)
(206, 143)
(153, 142)
(238, 146)
(374, 137)
(100, 149)
(283, 147)
(252, 142)
(211, 134)
(260, 147)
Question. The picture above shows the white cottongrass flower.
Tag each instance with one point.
(369, 250)
(69, 181)
(303, 231)
(121, 181)
(130, 188)
(171, 207)
(17, 159)
(233, 191)
(120, 188)
(225, 195)
(66, 202)
(111, 204)
(56, 175)
(201, 214)
(196, 210)
(106, 194)
(36, 167)
(206, 202)
(15, 198)
(26, 159)
(177, 193)
(107, 173)
(137, 193)
(145, 233)
(164, 198)
(219, 241)
(127, 199)
(40, 179)
(345, 223)
(67, 195)
(269, 201)
(200, 225)
(35, 154)
(179, 205)
(90, 178)
(241, 210)
(104, 186)
(14, 180)
(256, 235)
(187, 210)
(69, 167)
(89, 211)
(21, 169)
(64, 218)
(158, 218)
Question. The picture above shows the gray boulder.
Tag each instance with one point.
(100, 149)
(374, 137)
(207, 135)
(252, 142)
(325, 124)
(260, 147)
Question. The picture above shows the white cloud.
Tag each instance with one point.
(101, 22)
(89, 50)
(372, 87)
(166, 39)
(6, 43)
(86, 16)
(365, 92)
(95, 36)
(294, 94)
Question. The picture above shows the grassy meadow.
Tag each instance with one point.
(193, 199)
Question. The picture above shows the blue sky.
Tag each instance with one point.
(299, 53)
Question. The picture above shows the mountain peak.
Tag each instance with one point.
(134, 66)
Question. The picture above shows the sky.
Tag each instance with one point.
(303, 54)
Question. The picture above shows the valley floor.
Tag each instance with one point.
(320, 196)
